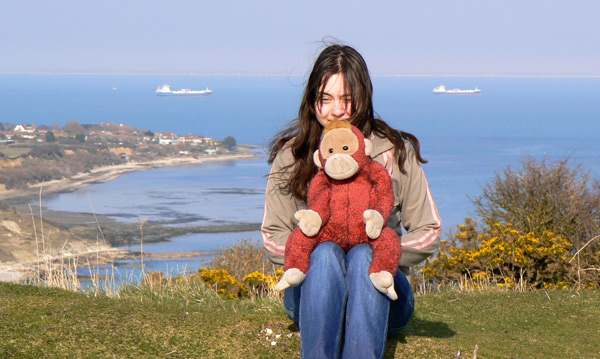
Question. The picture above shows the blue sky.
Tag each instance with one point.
(505, 37)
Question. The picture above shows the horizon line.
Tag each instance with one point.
(249, 74)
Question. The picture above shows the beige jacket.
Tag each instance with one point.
(414, 209)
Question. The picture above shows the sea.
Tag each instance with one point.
(467, 140)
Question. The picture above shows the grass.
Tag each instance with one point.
(49, 322)
(503, 324)
(183, 319)
(15, 150)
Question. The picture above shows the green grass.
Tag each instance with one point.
(503, 324)
(170, 322)
(15, 150)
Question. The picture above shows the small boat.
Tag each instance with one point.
(165, 90)
(441, 90)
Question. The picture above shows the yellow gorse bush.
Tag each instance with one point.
(258, 278)
(256, 283)
(261, 283)
(224, 283)
(502, 255)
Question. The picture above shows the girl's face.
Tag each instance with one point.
(334, 101)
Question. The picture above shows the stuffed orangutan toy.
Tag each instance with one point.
(349, 202)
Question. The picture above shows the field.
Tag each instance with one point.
(15, 150)
(187, 320)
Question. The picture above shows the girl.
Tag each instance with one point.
(337, 300)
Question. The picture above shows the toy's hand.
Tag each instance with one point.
(384, 282)
(374, 223)
(291, 278)
(309, 221)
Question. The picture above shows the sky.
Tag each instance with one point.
(467, 37)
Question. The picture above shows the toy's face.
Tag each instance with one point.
(338, 148)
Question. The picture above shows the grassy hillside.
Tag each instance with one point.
(21, 238)
(189, 321)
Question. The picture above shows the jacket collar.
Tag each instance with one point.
(380, 145)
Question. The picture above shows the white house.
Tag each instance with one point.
(168, 140)
(25, 128)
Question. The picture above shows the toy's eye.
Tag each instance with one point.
(345, 148)
(331, 150)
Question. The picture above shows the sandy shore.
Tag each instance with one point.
(107, 173)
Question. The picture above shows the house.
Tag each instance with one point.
(28, 136)
(195, 139)
(8, 134)
(25, 128)
(168, 140)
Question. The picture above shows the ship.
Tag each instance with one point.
(441, 90)
(165, 90)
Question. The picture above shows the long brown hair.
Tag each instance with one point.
(305, 131)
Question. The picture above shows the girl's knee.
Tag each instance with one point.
(327, 266)
(362, 253)
(327, 252)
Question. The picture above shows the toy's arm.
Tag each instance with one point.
(319, 196)
(381, 200)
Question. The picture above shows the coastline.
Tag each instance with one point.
(17, 271)
(108, 173)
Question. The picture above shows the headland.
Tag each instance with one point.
(108, 173)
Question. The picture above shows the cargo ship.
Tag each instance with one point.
(441, 90)
(165, 90)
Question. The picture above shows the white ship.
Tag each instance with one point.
(441, 90)
(165, 90)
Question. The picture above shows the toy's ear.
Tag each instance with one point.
(317, 159)
(368, 147)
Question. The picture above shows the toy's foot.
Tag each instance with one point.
(291, 278)
(384, 282)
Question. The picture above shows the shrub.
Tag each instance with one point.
(245, 256)
(535, 222)
(50, 137)
(46, 152)
(225, 285)
(505, 255)
(229, 143)
(262, 284)
(544, 196)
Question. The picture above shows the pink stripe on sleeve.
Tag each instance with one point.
(388, 161)
(269, 245)
(431, 235)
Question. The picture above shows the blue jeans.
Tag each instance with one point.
(337, 300)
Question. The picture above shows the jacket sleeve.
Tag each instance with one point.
(278, 219)
(418, 215)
